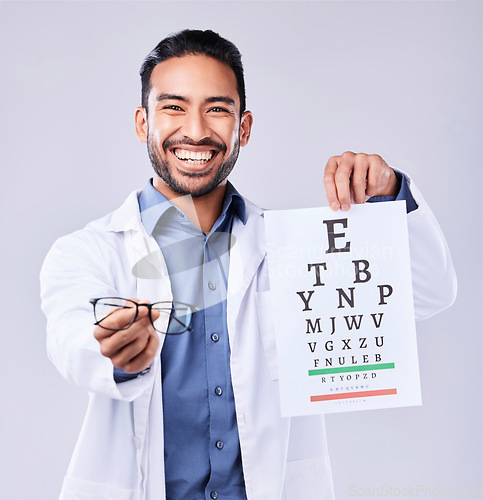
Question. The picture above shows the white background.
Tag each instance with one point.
(402, 79)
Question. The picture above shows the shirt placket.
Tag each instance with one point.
(217, 353)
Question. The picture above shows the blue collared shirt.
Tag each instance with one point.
(202, 450)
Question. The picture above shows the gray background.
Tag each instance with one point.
(402, 79)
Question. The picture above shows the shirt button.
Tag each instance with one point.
(211, 285)
(215, 337)
(214, 495)
(219, 445)
(218, 391)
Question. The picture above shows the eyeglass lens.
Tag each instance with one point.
(105, 307)
(180, 317)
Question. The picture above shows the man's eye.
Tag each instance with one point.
(219, 109)
(173, 107)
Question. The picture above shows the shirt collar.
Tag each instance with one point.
(234, 201)
(153, 205)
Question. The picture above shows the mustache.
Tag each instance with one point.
(172, 143)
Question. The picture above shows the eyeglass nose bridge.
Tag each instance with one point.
(150, 311)
(143, 304)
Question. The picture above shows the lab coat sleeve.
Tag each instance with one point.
(75, 270)
(433, 275)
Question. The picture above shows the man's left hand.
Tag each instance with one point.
(356, 177)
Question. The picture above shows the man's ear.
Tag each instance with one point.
(141, 123)
(245, 127)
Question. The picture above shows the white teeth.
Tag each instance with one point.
(194, 157)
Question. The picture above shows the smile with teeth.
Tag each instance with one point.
(194, 157)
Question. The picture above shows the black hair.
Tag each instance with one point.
(193, 42)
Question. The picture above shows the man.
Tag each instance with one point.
(197, 415)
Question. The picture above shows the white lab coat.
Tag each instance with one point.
(119, 453)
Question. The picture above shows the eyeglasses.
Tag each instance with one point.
(180, 315)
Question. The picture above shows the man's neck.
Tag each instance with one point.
(202, 211)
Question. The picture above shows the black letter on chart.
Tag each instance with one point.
(317, 272)
(306, 300)
(383, 295)
(333, 235)
(359, 271)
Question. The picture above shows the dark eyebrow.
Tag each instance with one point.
(175, 97)
(220, 98)
(171, 97)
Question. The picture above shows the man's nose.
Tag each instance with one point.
(196, 127)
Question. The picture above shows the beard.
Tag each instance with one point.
(162, 169)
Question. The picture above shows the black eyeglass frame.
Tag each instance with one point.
(172, 303)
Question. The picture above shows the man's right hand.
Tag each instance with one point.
(134, 348)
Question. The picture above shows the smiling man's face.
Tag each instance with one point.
(193, 128)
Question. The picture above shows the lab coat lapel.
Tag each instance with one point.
(247, 253)
(145, 262)
(148, 266)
